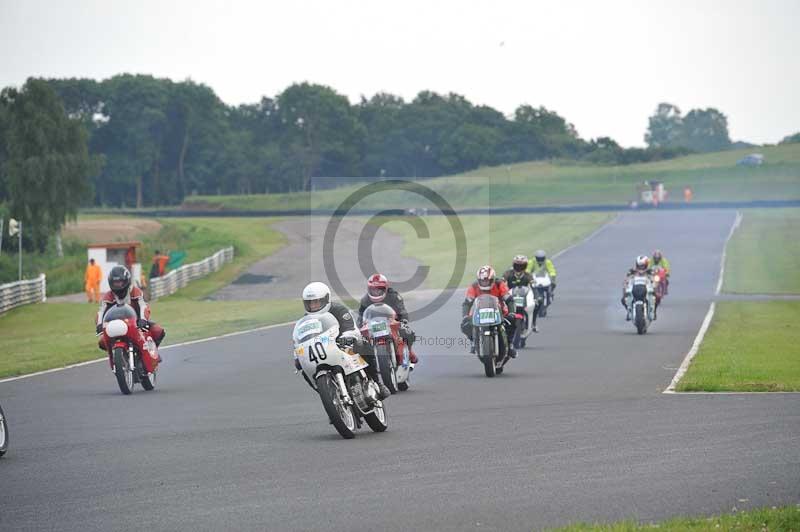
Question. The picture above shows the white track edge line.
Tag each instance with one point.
(735, 225)
(693, 351)
(189, 342)
(709, 315)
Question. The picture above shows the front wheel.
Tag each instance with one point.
(386, 363)
(123, 371)
(488, 354)
(340, 414)
(377, 418)
(3, 433)
(639, 320)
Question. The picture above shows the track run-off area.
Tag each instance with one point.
(576, 429)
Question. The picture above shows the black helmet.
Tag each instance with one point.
(119, 280)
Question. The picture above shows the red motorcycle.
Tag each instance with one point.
(660, 282)
(132, 352)
(381, 328)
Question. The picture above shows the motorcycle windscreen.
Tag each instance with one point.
(310, 326)
(520, 295)
(379, 310)
(486, 311)
(120, 312)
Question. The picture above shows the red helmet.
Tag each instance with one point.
(486, 277)
(377, 286)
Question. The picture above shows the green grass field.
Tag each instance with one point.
(784, 519)
(750, 346)
(492, 239)
(764, 254)
(185, 315)
(713, 177)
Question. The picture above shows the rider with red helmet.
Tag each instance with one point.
(379, 291)
(488, 283)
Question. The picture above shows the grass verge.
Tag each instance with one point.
(712, 176)
(764, 253)
(785, 518)
(762, 356)
(492, 239)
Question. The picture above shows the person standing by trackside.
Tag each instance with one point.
(92, 278)
(159, 267)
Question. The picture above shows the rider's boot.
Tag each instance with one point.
(512, 352)
(412, 356)
(472, 346)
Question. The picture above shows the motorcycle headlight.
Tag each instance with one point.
(656, 278)
(116, 328)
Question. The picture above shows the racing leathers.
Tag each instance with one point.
(535, 266)
(514, 279)
(394, 300)
(631, 272)
(134, 298)
(500, 290)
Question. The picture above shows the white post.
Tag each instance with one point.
(1, 235)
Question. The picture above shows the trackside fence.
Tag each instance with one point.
(20, 293)
(177, 279)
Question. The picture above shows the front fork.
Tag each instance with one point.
(343, 387)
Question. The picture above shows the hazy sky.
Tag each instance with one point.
(603, 65)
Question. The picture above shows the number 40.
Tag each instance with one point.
(317, 352)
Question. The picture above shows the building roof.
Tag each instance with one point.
(116, 245)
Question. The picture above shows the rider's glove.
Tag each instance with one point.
(142, 324)
(99, 329)
(297, 365)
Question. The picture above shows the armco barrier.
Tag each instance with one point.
(177, 279)
(22, 293)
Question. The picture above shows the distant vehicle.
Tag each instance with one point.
(754, 159)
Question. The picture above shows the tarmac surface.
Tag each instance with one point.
(576, 429)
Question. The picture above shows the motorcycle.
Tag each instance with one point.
(3, 433)
(487, 328)
(640, 301)
(347, 393)
(660, 284)
(525, 305)
(382, 329)
(544, 295)
(132, 352)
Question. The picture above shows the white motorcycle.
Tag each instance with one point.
(640, 300)
(543, 287)
(525, 306)
(347, 393)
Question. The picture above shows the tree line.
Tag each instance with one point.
(136, 140)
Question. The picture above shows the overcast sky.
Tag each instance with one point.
(603, 65)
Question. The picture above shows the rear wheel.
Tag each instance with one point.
(488, 354)
(339, 413)
(377, 419)
(386, 363)
(123, 371)
(3, 433)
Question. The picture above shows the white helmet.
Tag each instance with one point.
(316, 298)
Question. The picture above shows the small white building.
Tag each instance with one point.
(112, 254)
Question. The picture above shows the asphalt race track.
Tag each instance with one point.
(575, 429)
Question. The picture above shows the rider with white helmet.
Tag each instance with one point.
(317, 300)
